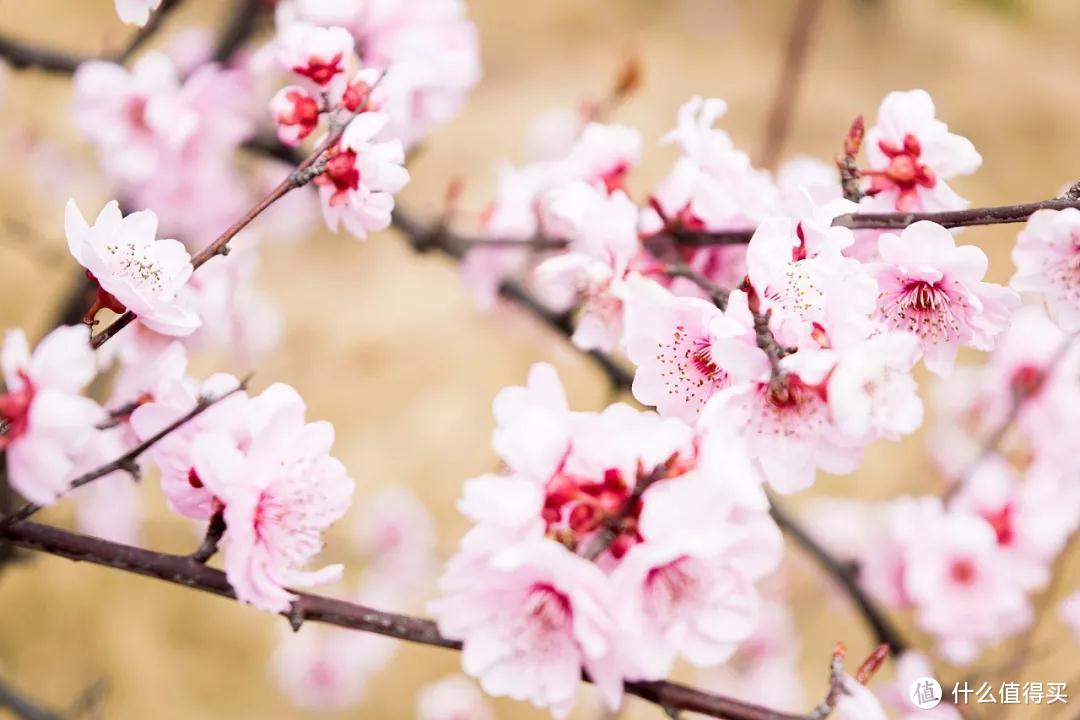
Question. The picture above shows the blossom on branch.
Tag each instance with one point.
(317, 53)
(132, 268)
(45, 424)
(361, 177)
(911, 154)
(1047, 257)
(934, 289)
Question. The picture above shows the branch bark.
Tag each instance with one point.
(188, 572)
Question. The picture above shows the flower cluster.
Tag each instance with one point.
(612, 544)
(364, 167)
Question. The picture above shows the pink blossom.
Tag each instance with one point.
(604, 154)
(765, 665)
(280, 494)
(934, 289)
(1047, 257)
(533, 424)
(46, 422)
(911, 154)
(295, 112)
(397, 534)
(713, 185)
(362, 175)
(686, 349)
(817, 296)
(429, 48)
(964, 595)
(136, 12)
(111, 507)
(328, 669)
(184, 489)
(133, 269)
(1032, 517)
(453, 698)
(688, 588)
(133, 117)
(602, 230)
(870, 390)
(317, 53)
(789, 429)
(531, 618)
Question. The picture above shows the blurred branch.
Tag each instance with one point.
(791, 73)
(846, 576)
(22, 707)
(126, 462)
(22, 55)
(182, 570)
(239, 28)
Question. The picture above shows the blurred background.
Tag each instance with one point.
(388, 346)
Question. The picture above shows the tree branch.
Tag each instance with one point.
(846, 576)
(22, 707)
(787, 87)
(239, 28)
(22, 55)
(186, 571)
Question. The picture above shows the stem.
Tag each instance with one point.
(181, 570)
(787, 88)
(846, 576)
(22, 707)
(214, 532)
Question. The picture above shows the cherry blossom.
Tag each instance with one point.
(133, 269)
(1046, 255)
(871, 391)
(602, 230)
(963, 594)
(689, 588)
(295, 112)
(911, 154)
(112, 506)
(46, 423)
(429, 48)
(279, 495)
(184, 489)
(789, 429)
(133, 117)
(934, 289)
(136, 12)
(317, 53)
(361, 177)
(396, 531)
(452, 698)
(686, 349)
(531, 617)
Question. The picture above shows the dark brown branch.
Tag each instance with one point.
(239, 28)
(126, 462)
(187, 572)
(214, 532)
(846, 576)
(787, 88)
(22, 55)
(22, 707)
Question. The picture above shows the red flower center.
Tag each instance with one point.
(1002, 522)
(319, 70)
(905, 172)
(962, 571)
(341, 172)
(15, 411)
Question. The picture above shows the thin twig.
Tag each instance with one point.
(214, 532)
(239, 28)
(846, 576)
(183, 570)
(147, 31)
(787, 87)
(126, 462)
(304, 173)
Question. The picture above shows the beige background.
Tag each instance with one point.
(387, 346)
